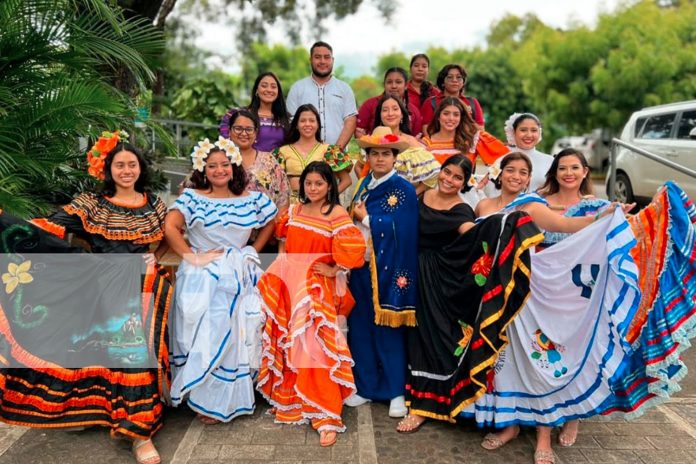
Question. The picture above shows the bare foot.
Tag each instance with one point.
(568, 433)
(410, 423)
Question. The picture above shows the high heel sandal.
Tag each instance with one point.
(145, 457)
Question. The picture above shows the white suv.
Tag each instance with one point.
(668, 131)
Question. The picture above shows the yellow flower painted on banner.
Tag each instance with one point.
(15, 275)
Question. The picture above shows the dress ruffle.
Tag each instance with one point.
(248, 212)
(306, 365)
(417, 165)
(140, 225)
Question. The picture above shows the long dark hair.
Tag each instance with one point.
(443, 74)
(405, 124)
(426, 87)
(465, 130)
(278, 108)
(236, 185)
(465, 164)
(324, 170)
(294, 133)
(402, 71)
(141, 185)
(551, 185)
(509, 158)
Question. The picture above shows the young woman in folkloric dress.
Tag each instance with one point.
(216, 324)
(306, 366)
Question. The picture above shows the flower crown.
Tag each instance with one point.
(96, 156)
(201, 151)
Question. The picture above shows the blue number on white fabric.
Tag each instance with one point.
(585, 278)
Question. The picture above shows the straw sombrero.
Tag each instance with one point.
(382, 137)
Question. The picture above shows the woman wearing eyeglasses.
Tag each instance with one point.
(303, 145)
(263, 171)
(451, 80)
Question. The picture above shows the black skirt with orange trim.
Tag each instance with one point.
(469, 292)
(128, 401)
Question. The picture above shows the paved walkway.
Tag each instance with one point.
(666, 434)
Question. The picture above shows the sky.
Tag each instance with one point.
(359, 39)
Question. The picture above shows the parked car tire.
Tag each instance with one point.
(622, 189)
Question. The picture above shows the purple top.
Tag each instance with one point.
(270, 136)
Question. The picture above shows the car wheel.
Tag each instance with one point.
(623, 191)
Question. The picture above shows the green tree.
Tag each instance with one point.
(204, 100)
(639, 55)
(365, 87)
(289, 64)
(391, 60)
(57, 61)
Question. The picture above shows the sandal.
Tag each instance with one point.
(143, 456)
(410, 423)
(207, 420)
(544, 457)
(568, 435)
(327, 438)
(492, 441)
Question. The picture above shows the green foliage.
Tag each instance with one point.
(57, 61)
(391, 60)
(638, 56)
(204, 100)
(289, 64)
(365, 87)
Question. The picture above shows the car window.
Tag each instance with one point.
(686, 124)
(639, 125)
(658, 127)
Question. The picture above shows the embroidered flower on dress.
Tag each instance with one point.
(467, 332)
(15, 275)
(392, 200)
(482, 267)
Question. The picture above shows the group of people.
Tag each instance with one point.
(513, 297)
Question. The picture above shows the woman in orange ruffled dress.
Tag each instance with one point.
(306, 364)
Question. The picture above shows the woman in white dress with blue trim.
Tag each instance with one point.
(216, 323)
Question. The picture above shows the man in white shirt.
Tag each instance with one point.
(332, 97)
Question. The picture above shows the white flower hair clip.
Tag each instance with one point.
(203, 148)
(231, 150)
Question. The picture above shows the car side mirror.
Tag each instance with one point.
(692, 133)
